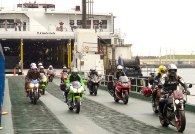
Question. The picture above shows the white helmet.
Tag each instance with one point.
(40, 64)
(119, 67)
(172, 69)
(32, 64)
(42, 67)
(34, 68)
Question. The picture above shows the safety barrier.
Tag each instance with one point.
(136, 82)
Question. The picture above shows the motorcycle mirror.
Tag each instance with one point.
(190, 85)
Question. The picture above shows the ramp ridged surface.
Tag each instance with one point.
(29, 118)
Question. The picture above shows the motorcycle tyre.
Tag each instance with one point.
(43, 91)
(35, 98)
(154, 107)
(181, 123)
(77, 106)
(126, 98)
(95, 90)
(115, 99)
(163, 122)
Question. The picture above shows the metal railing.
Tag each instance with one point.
(136, 82)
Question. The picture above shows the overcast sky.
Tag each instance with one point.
(148, 24)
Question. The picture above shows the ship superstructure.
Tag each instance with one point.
(40, 33)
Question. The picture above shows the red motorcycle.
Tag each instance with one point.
(122, 89)
(64, 76)
(174, 109)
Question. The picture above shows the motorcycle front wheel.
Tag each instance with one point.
(77, 106)
(126, 98)
(181, 121)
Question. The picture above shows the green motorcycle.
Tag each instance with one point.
(75, 96)
(44, 83)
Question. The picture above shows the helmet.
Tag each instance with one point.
(172, 69)
(34, 68)
(50, 67)
(32, 64)
(74, 71)
(162, 69)
(93, 70)
(40, 64)
(146, 91)
(119, 68)
(65, 68)
(41, 68)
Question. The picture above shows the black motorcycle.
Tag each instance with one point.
(93, 85)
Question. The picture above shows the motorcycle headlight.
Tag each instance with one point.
(176, 101)
(181, 101)
(31, 85)
(125, 84)
(45, 79)
(36, 85)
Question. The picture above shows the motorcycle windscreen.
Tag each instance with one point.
(95, 78)
(35, 81)
(76, 84)
(123, 79)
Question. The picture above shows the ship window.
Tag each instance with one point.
(88, 24)
(9, 23)
(79, 22)
(71, 22)
(103, 24)
(95, 24)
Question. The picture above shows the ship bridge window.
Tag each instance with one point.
(103, 24)
(8, 23)
(79, 23)
(95, 24)
(88, 26)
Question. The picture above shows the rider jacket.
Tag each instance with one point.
(92, 73)
(118, 74)
(172, 82)
(75, 78)
(32, 75)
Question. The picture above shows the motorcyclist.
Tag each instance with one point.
(39, 65)
(119, 72)
(32, 74)
(170, 81)
(50, 70)
(74, 76)
(41, 70)
(161, 71)
(91, 74)
(64, 70)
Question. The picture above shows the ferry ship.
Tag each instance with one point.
(36, 32)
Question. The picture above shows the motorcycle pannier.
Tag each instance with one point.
(147, 92)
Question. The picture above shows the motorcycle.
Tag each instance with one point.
(64, 76)
(44, 82)
(122, 89)
(75, 95)
(50, 75)
(34, 91)
(174, 109)
(93, 85)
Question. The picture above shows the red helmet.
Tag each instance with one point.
(147, 92)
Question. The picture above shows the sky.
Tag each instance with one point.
(153, 27)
